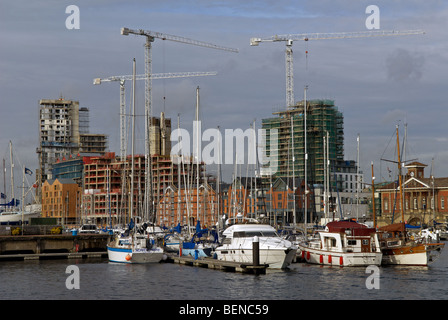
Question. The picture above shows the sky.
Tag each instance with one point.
(377, 83)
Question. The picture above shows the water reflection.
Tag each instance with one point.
(100, 279)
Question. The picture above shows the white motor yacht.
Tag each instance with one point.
(238, 242)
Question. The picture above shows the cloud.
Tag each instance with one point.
(393, 116)
(404, 65)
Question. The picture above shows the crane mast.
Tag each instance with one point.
(150, 37)
(290, 38)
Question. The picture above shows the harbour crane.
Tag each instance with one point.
(290, 38)
(150, 37)
(122, 80)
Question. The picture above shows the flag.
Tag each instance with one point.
(28, 171)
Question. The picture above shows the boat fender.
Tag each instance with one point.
(329, 259)
(303, 254)
(128, 257)
(341, 261)
(308, 255)
(321, 259)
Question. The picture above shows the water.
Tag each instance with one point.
(101, 280)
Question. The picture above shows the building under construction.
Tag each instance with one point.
(322, 116)
(64, 131)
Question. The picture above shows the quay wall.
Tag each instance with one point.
(62, 243)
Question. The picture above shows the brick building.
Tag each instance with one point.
(61, 199)
(193, 204)
(425, 199)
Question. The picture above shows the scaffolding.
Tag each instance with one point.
(322, 117)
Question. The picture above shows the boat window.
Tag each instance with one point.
(333, 242)
(227, 241)
(393, 243)
(351, 242)
(251, 234)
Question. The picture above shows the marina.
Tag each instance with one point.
(226, 192)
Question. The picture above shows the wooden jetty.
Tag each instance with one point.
(218, 264)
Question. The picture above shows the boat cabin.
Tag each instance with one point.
(248, 231)
(347, 236)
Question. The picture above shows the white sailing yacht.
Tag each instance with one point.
(10, 212)
(136, 245)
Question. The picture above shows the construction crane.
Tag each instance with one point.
(122, 80)
(290, 38)
(150, 37)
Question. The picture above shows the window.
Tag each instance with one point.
(415, 204)
(386, 204)
(442, 202)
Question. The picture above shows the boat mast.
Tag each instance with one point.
(178, 172)
(358, 181)
(131, 208)
(325, 176)
(4, 180)
(12, 173)
(373, 198)
(218, 185)
(197, 154)
(400, 178)
(293, 172)
(306, 160)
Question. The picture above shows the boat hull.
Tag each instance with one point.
(127, 255)
(277, 258)
(342, 259)
(418, 255)
(15, 218)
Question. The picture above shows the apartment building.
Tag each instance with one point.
(61, 199)
(64, 131)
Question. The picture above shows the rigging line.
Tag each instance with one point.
(392, 136)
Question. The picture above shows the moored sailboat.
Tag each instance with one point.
(398, 247)
(134, 248)
(138, 244)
